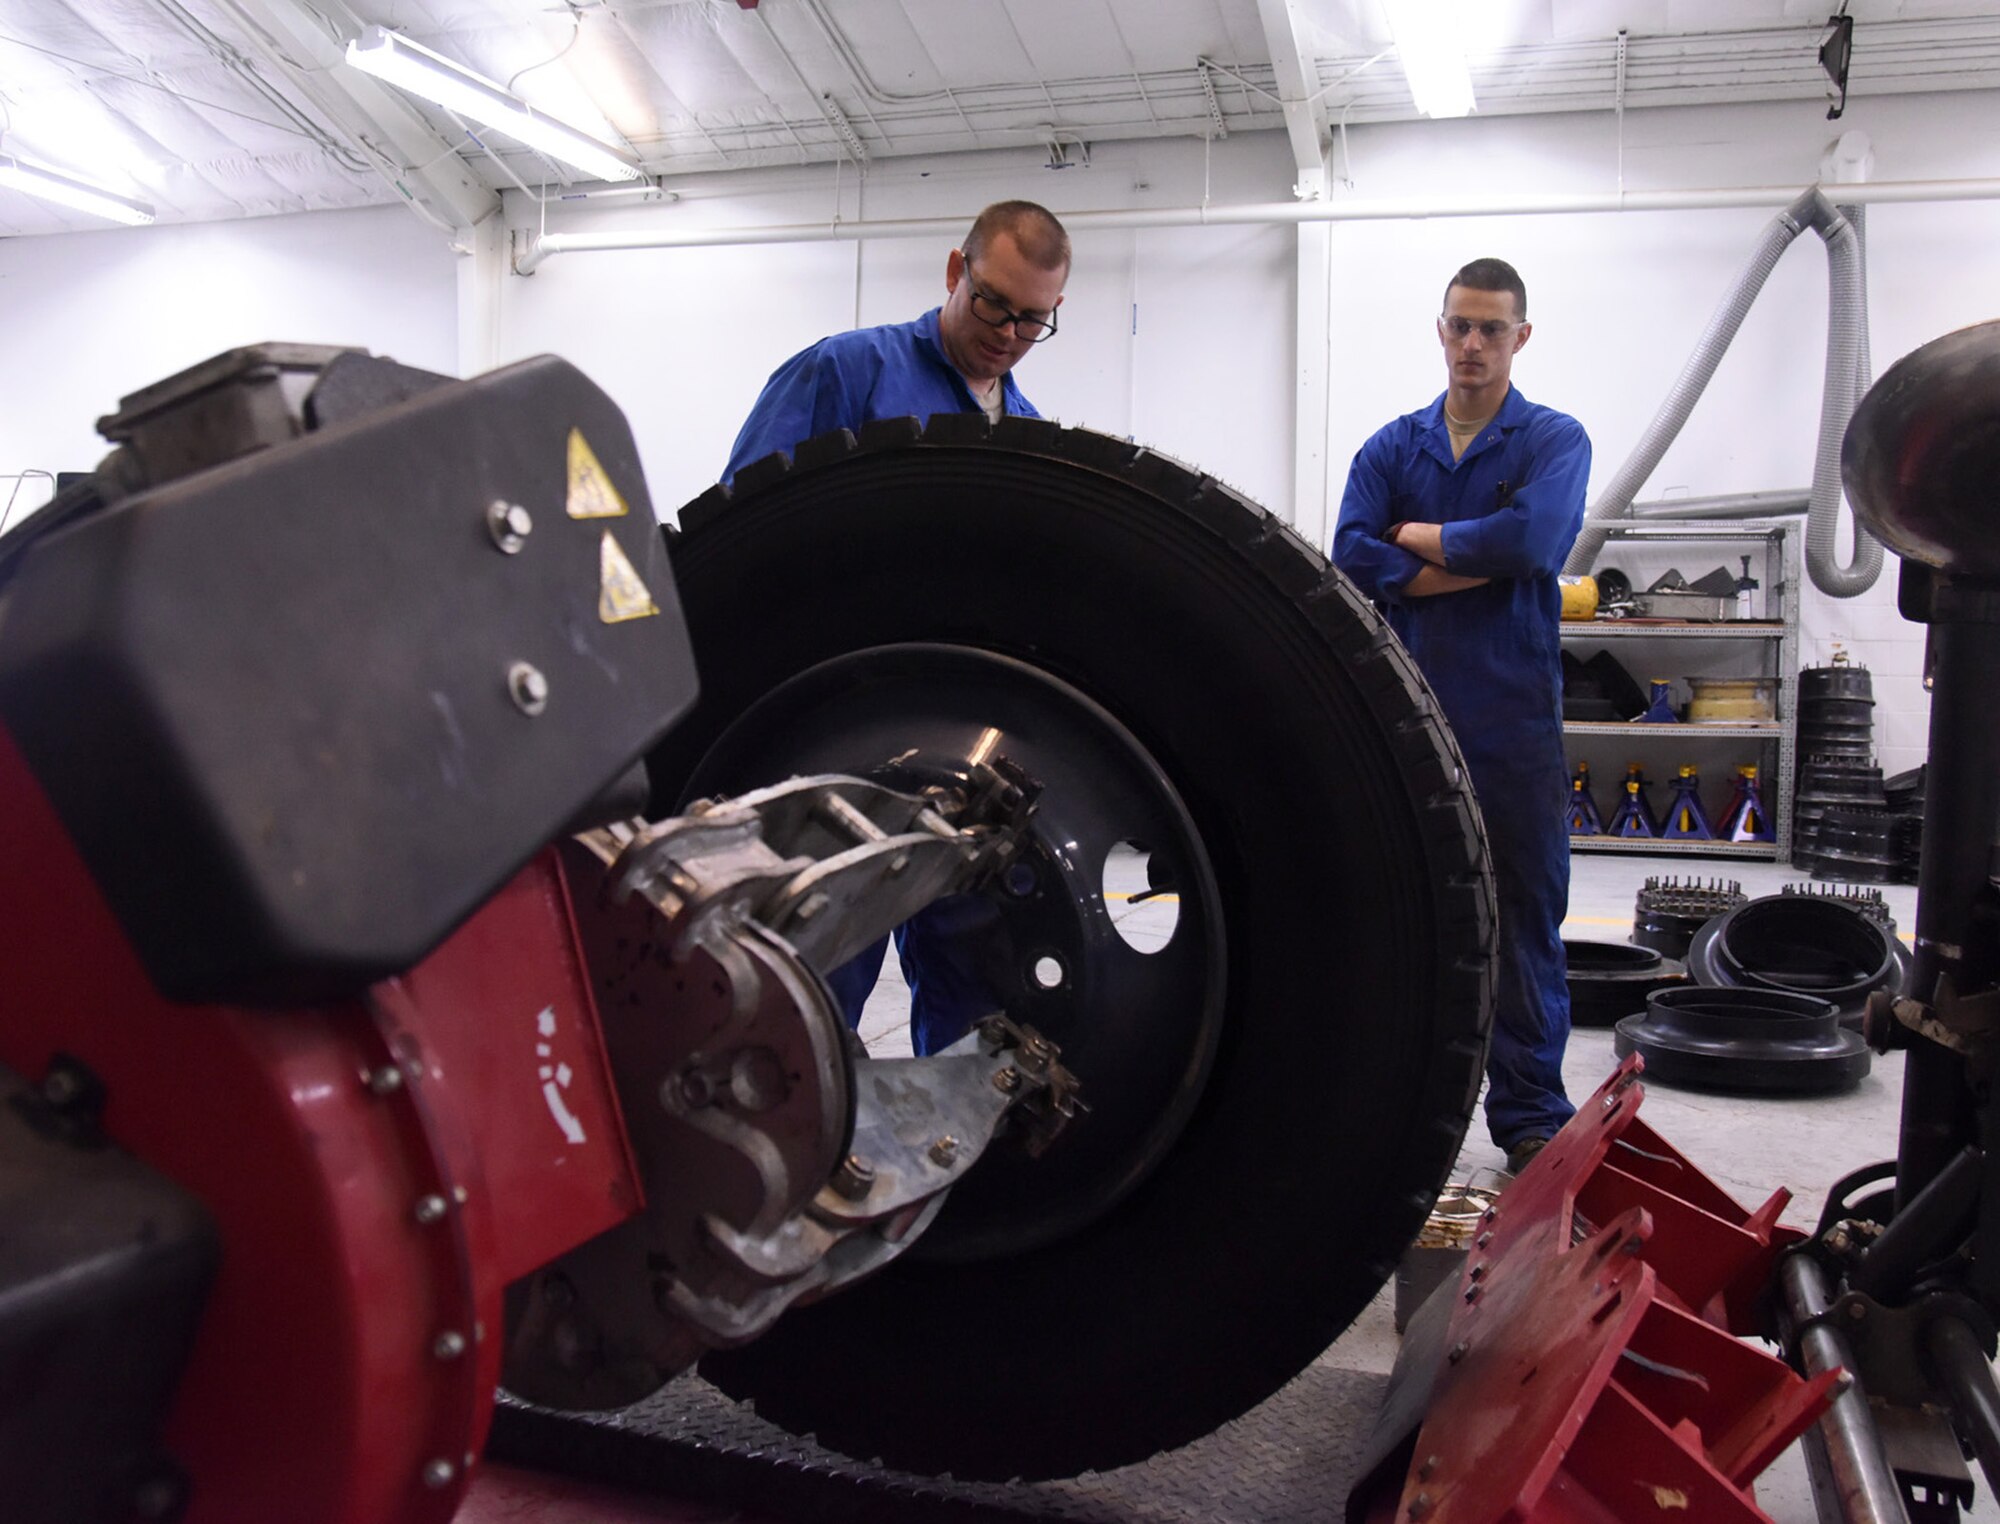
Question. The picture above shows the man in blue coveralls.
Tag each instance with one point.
(1456, 521)
(1002, 285)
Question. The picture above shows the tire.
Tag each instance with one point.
(1352, 896)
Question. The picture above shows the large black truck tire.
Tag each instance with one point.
(1329, 1022)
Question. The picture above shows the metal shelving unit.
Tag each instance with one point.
(1683, 629)
(1778, 631)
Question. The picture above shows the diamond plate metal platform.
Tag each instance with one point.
(1292, 1459)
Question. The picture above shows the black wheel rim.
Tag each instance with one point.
(1152, 1019)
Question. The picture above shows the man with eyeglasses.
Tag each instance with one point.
(1003, 284)
(1456, 520)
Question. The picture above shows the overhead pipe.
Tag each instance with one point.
(1845, 381)
(531, 250)
(1727, 505)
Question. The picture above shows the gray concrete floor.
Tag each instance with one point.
(1749, 1146)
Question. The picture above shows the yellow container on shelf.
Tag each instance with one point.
(1732, 700)
(1579, 597)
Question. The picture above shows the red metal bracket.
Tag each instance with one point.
(1590, 1369)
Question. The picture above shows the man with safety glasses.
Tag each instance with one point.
(1003, 284)
(1456, 520)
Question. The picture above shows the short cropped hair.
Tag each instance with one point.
(1492, 275)
(1034, 229)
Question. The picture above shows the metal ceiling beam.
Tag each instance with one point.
(308, 44)
(1297, 79)
(1298, 89)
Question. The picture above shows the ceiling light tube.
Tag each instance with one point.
(69, 191)
(1428, 34)
(394, 59)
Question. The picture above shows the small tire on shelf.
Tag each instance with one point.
(1351, 879)
(1609, 981)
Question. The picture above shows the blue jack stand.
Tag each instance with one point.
(1583, 817)
(1746, 819)
(1685, 818)
(1633, 818)
(1660, 710)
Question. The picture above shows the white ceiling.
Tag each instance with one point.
(214, 109)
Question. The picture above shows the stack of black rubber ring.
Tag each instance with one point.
(1841, 826)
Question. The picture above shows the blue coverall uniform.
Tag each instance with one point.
(898, 370)
(1510, 508)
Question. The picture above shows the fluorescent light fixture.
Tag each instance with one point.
(72, 192)
(394, 59)
(1430, 42)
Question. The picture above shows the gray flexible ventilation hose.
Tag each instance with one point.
(1846, 377)
(1616, 500)
(1864, 375)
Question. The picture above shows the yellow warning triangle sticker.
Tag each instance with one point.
(620, 593)
(591, 495)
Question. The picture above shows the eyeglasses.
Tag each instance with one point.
(1033, 327)
(1460, 329)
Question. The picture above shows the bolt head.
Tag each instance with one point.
(385, 1080)
(510, 524)
(944, 1150)
(448, 1345)
(1008, 1080)
(438, 1473)
(528, 687)
(430, 1209)
(855, 1178)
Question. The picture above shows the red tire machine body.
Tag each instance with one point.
(308, 1046)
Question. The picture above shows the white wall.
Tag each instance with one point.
(1180, 339)
(90, 317)
(1183, 339)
